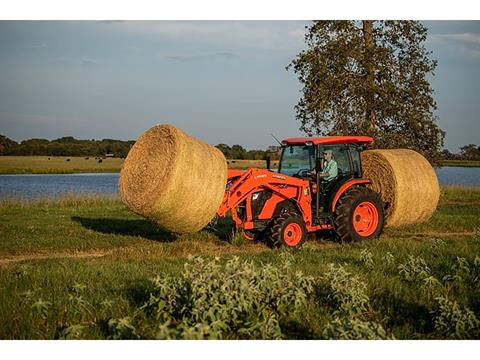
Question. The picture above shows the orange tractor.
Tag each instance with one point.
(283, 206)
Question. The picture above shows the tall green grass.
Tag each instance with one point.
(417, 282)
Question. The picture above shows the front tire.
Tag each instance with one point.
(288, 230)
(359, 215)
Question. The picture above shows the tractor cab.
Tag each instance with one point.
(304, 158)
(306, 194)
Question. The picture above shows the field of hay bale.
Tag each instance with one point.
(89, 268)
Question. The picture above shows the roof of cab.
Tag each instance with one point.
(328, 140)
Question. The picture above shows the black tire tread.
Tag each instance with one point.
(278, 224)
(343, 229)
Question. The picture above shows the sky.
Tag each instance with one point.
(220, 81)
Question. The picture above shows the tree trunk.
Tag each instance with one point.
(370, 80)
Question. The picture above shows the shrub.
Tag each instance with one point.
(232, 300)
(366, 258)
(347, 292)
(388, 258)
(414, 269)
(354, 329)
(463, 272)
(452, 321)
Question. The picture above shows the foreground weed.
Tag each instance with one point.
(232, 300)
(463, 271)
(366, 258)
(414, 269)
(349, 295)
(354, 329)
(388, 258)
(122, 329)
(454, 322)
(438, 244)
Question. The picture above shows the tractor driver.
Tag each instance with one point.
(330, 169)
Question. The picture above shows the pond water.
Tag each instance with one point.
(41, 186)
(47, 186)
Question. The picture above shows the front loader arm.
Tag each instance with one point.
(241, 186)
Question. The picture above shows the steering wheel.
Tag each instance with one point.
(301, 173)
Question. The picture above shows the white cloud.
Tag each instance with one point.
(67, 60)
(87, 61)
(467, 38)
(226, 55)
(260, 34)
(34, 47)
(466, 44)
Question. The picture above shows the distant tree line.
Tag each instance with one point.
(69, 146)
(65, 146)
(238, 152)
(467, 152)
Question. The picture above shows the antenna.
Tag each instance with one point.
(278, 141)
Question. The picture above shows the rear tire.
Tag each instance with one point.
(359, 215)
(288, 230)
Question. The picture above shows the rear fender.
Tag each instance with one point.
(347, 185)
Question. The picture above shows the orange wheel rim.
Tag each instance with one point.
(292, 234)
(247, 235)
(365, 219)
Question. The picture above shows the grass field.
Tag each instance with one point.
(81, 267)
(60, 165)
(57, 164)
(461, 163)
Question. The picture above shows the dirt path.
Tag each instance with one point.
(54, 255)
(182, 252)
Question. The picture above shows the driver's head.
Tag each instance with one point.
(328, 155)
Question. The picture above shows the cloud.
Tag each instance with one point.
(466, 38)
(86, 61)
(226, 55)
(67, 60)
(257, 34)
(466, 44)
(34, 47)
(182, 57)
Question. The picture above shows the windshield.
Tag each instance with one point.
(296, 158)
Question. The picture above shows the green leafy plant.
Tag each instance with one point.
(414, 269)
(349, 294)
(388, 258)
(122, 329)
(232, 300)
(366, 258)
(453, 321)
(41, 307)
(346, 291)
(354, 329)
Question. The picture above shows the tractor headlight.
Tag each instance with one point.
(255, 196)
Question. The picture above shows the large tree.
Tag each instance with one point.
(369, 78)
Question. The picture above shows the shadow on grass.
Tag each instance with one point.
(142, 228)
(223, 228)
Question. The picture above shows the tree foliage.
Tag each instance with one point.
(69, 146)
(470, 152)
(369, 78)
(65, 146)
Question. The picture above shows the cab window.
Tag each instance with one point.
(297, 158)
(340, 155)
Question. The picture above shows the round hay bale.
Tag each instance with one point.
(406, 182)
(173, 179)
